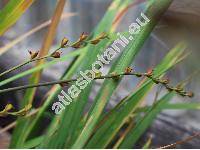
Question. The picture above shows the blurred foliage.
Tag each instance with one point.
(12, 12)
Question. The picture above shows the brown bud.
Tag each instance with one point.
(165, 81)
(33, 54)
(56, 54)
(149, 72)
(99, 38)
(76, 44)
(64, 42)
(190, 94)
(83, 37)
(178, 89)
(95, 41)
(128, 70)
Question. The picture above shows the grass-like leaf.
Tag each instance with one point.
(145, 122)
(11, 13)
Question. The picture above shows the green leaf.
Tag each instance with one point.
(145, 122)
(33, 142)
(12, 12)
(188, 106)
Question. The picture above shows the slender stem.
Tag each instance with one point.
(110, 76)
(27, 62)
(21, 65)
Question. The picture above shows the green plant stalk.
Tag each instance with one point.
(33, 142)
(154, 12)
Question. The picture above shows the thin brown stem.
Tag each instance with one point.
(110, 76)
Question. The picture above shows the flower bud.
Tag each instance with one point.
(128, 70)
(190, 94)
(95, 41)
(165, 81)
(149, 72)
(64, 42)
(83, 37)
(33, 54)
(178, 89)
(56, 54)
(7, 108)
(76, 44)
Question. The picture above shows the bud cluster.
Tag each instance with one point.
(164, 81)
(7, 110)
(81, 42)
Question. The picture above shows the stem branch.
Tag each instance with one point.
(110, 76)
